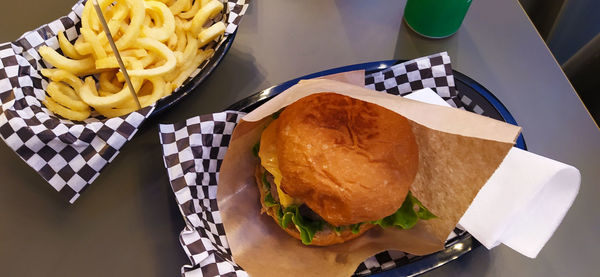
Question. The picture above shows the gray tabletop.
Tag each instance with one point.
(127, 222)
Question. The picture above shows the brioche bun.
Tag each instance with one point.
(348, 160)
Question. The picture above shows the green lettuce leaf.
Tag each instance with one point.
(355, 227)
(266, 183)
(337, 229)
(255, 149)
(286, 219)
(407, 215)
(306, 227)
(278, 212)
(269, 201)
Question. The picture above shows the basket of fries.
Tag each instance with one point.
(66, 109)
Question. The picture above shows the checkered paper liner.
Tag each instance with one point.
(194, 150)
(69, 155)
(433, 72)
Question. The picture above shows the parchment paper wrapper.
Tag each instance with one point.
(520, 213)
(458, 150)
(194, 151)
(69, 155)
(523, 202)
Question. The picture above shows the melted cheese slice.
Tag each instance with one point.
(268, 159)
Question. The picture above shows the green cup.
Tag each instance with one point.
(435, 18)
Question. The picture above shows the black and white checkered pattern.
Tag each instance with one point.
(387, 260)
(433, 72)
(469, 105)
(236, 8)
(67, 154)
(193, 152)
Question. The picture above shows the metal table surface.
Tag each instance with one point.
(127, 223)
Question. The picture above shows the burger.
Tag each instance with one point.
(332, 167)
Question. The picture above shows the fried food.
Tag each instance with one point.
(161, 43)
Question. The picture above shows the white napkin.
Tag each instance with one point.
(523, 202)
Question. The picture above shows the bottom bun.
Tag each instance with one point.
(325, 237)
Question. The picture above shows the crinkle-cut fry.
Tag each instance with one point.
(148, 21)
(114, 27)
(90, 36)
(89, 94)
(60, 93)
(158, 86)
(147, 60)
(168, 88)
(82, 47)
(67, 48)
(78, 67)
(161, 13)
(159, 48)
(119, 11)
(191, 11)
(130, 31)
(137, 53)
(123, 27)
(186, 25)
(211, 33)
(153, 14)
(189, 68)
(114, 24)
(190, 50)
(160, 62)
(67, 90)
(173, 74)
(158, 90)
(172, 41)
(61, 75)
(105, 81)
(137, 14)
(188, 5)
(181, 36)
(104, 93)
(109, 83)
(89, 21)
(146, 89)
(180, 5)
(110, 62)
(118, 82)
(120, 77)
(211, 9)
(65, 112)
(179, 57)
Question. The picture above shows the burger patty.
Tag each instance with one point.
(306, 212)
(273, 187)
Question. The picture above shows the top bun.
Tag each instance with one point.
(350, 161)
